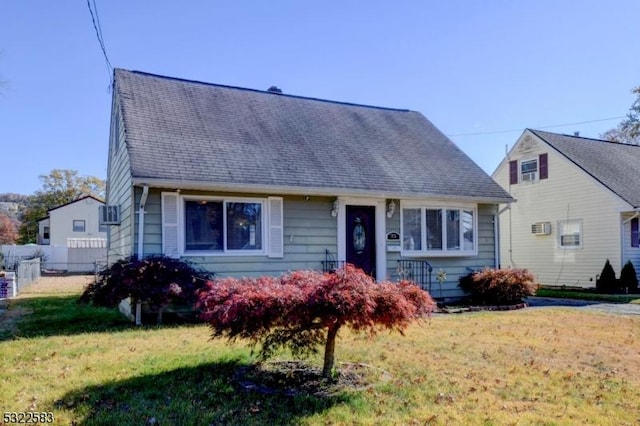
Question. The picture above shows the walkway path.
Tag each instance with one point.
(613, 308)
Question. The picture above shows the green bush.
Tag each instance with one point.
(607, 283)
(628, 278)
(499, 286)
(157, 280)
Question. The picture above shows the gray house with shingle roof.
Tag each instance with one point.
(249, 182)
(578, 205)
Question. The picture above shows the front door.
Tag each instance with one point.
(361, 238)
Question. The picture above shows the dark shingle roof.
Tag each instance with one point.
(188, 131)
(615, 165)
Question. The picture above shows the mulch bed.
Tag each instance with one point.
(462, 309)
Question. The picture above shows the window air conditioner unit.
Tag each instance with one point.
(541, 228)
(529, 177)
(109, 215)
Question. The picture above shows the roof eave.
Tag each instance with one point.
(306, 190)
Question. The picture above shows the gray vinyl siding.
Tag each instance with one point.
(119, 189)
(454, 267)
(309, 231)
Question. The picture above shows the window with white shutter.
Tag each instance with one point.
(196, 225)
(170, 245)
(276, 237)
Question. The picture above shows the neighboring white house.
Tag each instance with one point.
(77, 219)
(578, 204)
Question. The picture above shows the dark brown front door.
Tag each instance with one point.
(361, 237)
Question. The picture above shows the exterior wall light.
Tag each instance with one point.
(391, 209)
(334, 210)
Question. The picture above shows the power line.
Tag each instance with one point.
(496, 132)
(96, 25)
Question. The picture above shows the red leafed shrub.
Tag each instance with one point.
(157, 280)
(499, 286)
(304, 309)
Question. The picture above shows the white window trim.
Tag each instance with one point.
(560, 234)
(444, 252)
(537, 172)
(224, 252)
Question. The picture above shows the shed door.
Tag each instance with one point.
(361, 237)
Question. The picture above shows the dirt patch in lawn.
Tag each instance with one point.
(57, 285)
(299, 378)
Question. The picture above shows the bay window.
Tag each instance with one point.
(428, 230)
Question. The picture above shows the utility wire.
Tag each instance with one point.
(96, 25)
(95, 7)
(496, 132)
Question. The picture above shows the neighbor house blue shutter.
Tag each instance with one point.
(635, 238)
(513, 172)
(543, 161)
(275, 244)
(170, 245)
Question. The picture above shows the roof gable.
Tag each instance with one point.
(186, 131)
(75, 201)
(615, 165)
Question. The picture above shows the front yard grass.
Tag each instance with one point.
(530, 366)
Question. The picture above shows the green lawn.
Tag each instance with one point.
(530, 366)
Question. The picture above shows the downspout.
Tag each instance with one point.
(496, 235)
(496, 224)
(508, 206)
(143, 201)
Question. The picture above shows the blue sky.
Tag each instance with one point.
(471, 67)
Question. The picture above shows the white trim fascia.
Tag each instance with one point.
(300, 190)
(432, 202)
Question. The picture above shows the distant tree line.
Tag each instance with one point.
(628, 130)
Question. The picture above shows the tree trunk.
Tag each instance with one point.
(329, 349)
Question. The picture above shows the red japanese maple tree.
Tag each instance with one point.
(304, 309)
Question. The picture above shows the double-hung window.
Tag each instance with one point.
(79, 225)
(570, 234)
(529, 170)
(224, 225)
(434, 230)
